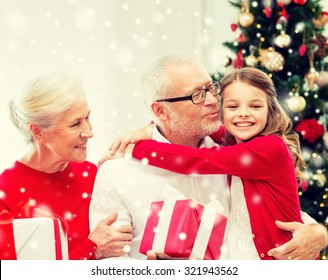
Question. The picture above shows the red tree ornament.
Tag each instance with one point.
(233, 26)
(242, 38)
(304, 185)
(302, 50)
(310, 130)
(238, 62)
(267, 11)
(300, 2)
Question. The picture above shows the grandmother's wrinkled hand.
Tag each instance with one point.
(124, 144)
(120, 144)
(118, 154)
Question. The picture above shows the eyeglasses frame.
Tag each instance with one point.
(189, 97)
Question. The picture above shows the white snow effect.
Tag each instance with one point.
(124, 58)
(145, 161)
(2, 194)
(256, 199)
(13, 46)
(182, 236)
(192, 204)
(86, 19)
(56, 22)
(158, 18)
(68, 215)
(32, 202)
(121, 190)
(33, 244)
(168, 11)
(85, 174)
(212, 197)
(208, 20)
(246, 160)
(127, 248)
(138, 203)
(84, 195)
(22, 190)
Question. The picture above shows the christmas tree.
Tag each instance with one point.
(285, 38)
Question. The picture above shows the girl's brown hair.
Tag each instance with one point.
(278, 121)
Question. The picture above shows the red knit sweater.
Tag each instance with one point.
(65, 193)
(266, 168)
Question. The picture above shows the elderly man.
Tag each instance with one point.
(183, 100)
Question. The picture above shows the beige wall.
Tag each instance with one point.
(108, 43)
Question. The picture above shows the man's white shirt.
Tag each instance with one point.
(128, 187)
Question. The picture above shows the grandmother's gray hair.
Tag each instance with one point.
(43, 100)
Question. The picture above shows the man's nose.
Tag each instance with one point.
(210, 99)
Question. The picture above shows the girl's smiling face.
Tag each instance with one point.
(245, 110)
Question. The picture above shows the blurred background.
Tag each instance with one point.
(108, 44)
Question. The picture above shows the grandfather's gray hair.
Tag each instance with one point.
(155, 83)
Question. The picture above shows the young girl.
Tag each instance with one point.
(258, 146)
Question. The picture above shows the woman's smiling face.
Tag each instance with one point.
(67, 138)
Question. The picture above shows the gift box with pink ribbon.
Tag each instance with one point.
(35, 238)
(184, 229)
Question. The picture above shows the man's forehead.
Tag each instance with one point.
(189, 75)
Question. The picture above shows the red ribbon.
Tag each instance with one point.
(7, 242)
(20, 211)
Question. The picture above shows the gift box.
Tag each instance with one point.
(41, 238)
(183, 229)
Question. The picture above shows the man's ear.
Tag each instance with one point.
(159, 110)
(36, 131)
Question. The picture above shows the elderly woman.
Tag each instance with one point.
(54, 176)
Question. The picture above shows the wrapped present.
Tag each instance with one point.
(41, 238)
(183, 229)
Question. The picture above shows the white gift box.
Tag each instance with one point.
(40, 239)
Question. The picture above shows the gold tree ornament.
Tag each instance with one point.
(282, 40)
(320, 178)
(325, 139)
(271, 59)
(246, 18)
(311, 77)
(251, 60)
(285, 2)
(296, 103)
(322, 78)
(321, 20)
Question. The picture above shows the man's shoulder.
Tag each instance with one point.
(119, 163)
(130, 167)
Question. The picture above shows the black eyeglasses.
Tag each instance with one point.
(197, 96)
